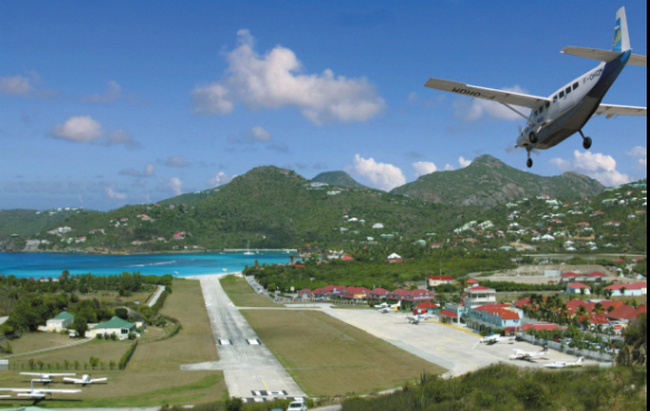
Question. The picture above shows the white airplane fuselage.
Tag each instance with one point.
(572, 106)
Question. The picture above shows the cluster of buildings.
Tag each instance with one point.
(121, 328)
(365, 294)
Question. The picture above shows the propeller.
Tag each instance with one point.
(515, 147)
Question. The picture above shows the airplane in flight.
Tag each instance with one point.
(559, 364)
(529, 356)
(555, 118)
(85, 380)
(37, 394)
(496, 338)
(46, 378)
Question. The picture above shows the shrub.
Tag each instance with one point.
(100, 336)
(127, 356)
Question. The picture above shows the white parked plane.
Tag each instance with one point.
(85, 380)
(46, 378)
(37, 394)
(560, 364)
(390, 308)
(529, 356)
(555, 118)
(496, 338)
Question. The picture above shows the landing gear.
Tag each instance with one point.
(586, 141)
(532, 137)
(529, 163)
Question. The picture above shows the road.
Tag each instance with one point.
(250, 370)
(154, 300)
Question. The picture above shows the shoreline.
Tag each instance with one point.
(171, 252)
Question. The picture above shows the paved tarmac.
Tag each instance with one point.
(456, 349)
(248, 369)
(156, 297)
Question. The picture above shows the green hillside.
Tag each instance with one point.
(488, 182)
(30, 222)
(337, 178)
(190, 198)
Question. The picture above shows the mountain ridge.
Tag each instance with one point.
(337, 178)
(488, 182)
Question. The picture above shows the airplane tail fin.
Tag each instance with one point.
(580, 360)
(545, 348)
(621, 34)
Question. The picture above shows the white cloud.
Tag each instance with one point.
(476, 108)
(638, 151)
(220, 179)
(82, 129)
(383, 176)
(423, 168)
(176, 162)
(598, 166)
(449, 167)
(176, 185)
(149, 170)
(113, 92)
(641, 153)
(276, 80)
(464, 163)
(255, 135)
(15, 86)
(112, 194)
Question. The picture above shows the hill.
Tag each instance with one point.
(337, 178)
(190, 198)
(488, 182)
(30, 222)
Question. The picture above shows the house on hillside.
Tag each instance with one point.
(60, 322)
(629, 290)
(577, 288)
(115, 325)
(436, 281)
(394, 258)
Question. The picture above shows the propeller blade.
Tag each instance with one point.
(536, 152)
(511, 149)
(520, 129)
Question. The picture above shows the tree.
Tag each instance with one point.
(234, 404)
(94, 362)
(123, 313)
(80, 325)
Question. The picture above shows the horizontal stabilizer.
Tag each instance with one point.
(603, 55)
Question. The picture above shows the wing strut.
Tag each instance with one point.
(530, 120)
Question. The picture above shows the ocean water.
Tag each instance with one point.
(37, 265)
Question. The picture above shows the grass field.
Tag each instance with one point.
(153, 376)
(242, 295)
(113, 299)
(327, 357)
(38, 341)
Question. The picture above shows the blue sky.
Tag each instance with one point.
(110, 103)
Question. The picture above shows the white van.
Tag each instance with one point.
(298, 405)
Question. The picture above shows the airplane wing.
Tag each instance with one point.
(16, 389)
(611, 110)
(59, 391)
(74, 380)
(501, 96)
(99, 380)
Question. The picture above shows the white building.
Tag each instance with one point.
(60, 322)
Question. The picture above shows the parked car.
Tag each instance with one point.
(297, 406)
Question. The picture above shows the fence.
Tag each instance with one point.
(592, 355)
(4, 365)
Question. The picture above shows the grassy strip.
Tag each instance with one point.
(328, 358)
(242, 295)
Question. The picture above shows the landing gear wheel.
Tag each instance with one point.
(533, 138)
(586, 143)
(529, 163)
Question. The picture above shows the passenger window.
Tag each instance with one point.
(575, 85)
(561, 94)
(568, 90)
(548, 104)
(535, 113)
(541, 110)
(554, 98)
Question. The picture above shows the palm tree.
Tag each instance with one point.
(599, 309)
(582, 310)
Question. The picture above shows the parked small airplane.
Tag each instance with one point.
(560, 364)
(496, 338)
(414, 319)
(45, 378)
(37, 394)
(555, 118)
(85, 380)
(529, 356)
(390, 308)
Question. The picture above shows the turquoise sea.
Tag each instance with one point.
(37, 265)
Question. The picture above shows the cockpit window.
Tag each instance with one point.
(548, 104)
(554, 98)
(541, 110)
